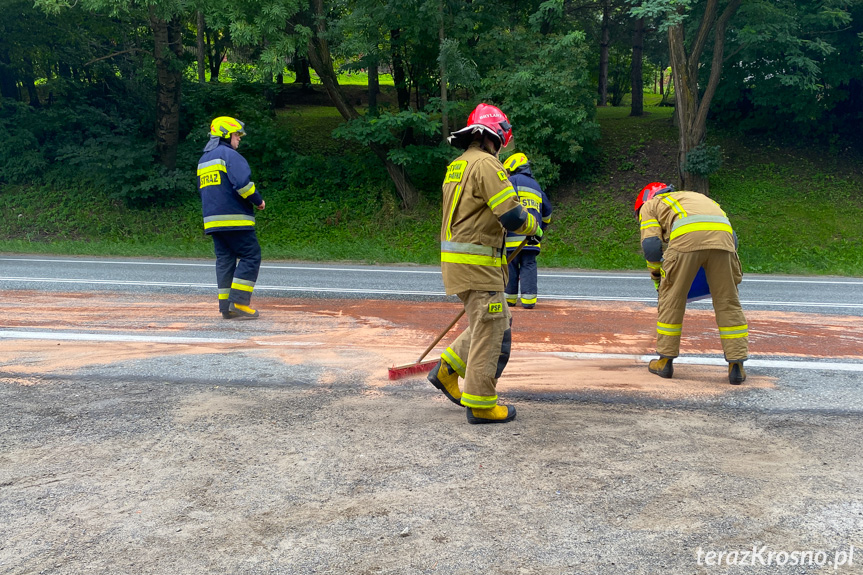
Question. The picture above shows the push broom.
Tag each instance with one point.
(420, 366)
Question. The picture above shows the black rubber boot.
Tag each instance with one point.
(445, 379)
(242, 311)
(736, 373)
(497, 414)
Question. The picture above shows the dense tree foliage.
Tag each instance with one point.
(117, 93)
(760, 48)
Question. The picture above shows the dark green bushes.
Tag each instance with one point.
(87, 142)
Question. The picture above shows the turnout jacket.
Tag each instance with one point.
(228, 195)
(479, 206)
(686, 222)
(534, 200)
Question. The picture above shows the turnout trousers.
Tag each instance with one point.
(238, 261)
(724, 273)
(522, 271)
(481, 351)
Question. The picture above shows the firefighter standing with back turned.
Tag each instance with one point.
(479, 206)
(228, 199)
(698, 234)
(522, 269)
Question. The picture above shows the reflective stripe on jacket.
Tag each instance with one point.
(534, 200)
(687, 221)
(228, 196)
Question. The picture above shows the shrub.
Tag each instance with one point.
(550, 101)
(703, 160)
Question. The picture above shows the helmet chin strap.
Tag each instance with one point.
(491, 144)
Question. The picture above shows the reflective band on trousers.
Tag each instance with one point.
(700, 223)
(479, 401)
(672, 329)
(454, 361)
(243, 285)
(472, 254)
(734, 331)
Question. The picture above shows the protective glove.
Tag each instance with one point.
(656, 283)
(534, 239)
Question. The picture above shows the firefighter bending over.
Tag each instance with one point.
(479, 206)
(522, 268)
(228, 199)
(698, 234)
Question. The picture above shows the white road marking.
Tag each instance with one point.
(696, 360)
(684, 360)
(574, 275)
(76, 336)
(258, 287)
(313, 289)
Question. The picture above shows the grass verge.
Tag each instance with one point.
(793, 213)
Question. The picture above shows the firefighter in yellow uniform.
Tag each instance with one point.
(479, 206)
(698, 234)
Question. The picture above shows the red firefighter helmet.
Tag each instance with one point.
(486, 118)
(649, 191)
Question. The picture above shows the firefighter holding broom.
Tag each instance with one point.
(479, 207)
(698, 235)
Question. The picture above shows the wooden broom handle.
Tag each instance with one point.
(461, 313)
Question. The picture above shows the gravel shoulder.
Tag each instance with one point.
(157, 477)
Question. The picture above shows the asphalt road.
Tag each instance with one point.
(833, 295)
(816, 372)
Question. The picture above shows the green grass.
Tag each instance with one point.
(228, 71)
(789, 224)
(793, 213)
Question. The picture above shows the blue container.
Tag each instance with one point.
(699, 289)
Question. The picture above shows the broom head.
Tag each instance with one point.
(400, 371)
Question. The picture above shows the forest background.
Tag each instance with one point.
(106, 104)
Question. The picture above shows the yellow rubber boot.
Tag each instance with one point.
(443, 377)
(243, 311)
(736, 373)
(662, 367)
(497, 414)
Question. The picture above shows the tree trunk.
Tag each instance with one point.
(668, 91)
(8, 78)
(202, 72)
(403, 94)
(29, 82)
(661, 80)
(692, 108)
(637, 77)
(301, 71)
(322, 62)
(374, 87)
(603, 53)
(443, 80)
(167, 48)
(216, 50)
(32, 93)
